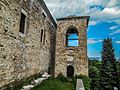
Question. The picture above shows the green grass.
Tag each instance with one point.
(55, 84)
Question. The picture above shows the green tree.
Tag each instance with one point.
(93, 72)
(108, 72)
(95, 63)
(94, 75)
(118, 70)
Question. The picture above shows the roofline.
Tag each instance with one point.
(74, 17)
(42, 3)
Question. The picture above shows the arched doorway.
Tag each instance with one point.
(70, 71)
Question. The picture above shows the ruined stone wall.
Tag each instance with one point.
(75, 56)
(23, 55)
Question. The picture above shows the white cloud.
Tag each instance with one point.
(113, 11)
(91, 23)
(118, 42)
(93, 41)
(114, 27)
(110, 12)
(117, 21)
(115, 32)
(113, 3)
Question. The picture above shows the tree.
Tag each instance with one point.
(118, 69)
(108, 72)
(94, 75)
(93, 72)
(95, 63)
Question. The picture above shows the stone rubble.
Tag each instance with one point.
(37, 82)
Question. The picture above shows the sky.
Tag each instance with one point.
(73, 40)
(104, 20)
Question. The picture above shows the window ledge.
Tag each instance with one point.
(21, 34)
(72, 47)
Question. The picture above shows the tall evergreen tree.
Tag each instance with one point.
(108, 72)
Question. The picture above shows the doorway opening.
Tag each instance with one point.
(70, 71)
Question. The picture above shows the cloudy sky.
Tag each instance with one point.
(104, 20)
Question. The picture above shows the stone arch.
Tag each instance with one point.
(72, 35)
(71, 27)
(70, 71)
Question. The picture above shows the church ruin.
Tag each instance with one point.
(31, 42)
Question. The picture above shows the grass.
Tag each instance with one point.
(55, 84)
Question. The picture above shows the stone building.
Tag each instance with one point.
(70, 58)
(28, 41)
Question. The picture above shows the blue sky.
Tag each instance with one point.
(104, 20)
(73, 40)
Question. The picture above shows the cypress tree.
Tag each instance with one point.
(108, 72)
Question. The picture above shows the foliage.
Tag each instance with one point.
(94, 75)
(63, 83)
(93, 72)
(118, 70)
(108, 71)
(108, 80)
(95, 63)
(55, 84)
(94, 85)
(62, 78)
(118, 67)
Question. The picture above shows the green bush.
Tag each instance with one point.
(95, 63)
(61, 78)
(93, 72)
(94, 85)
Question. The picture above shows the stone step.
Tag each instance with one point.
(39, 80)
(79, 85)
(28, 87)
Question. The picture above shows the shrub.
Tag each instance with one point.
(61, 78)
(94, 75)
(93, 72)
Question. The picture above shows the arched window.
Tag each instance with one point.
(71, 37)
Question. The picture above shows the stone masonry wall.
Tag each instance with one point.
(75, 56)
(23, 55)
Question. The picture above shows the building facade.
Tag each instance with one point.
(29, 44)
(71, 59)
(27, 39)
